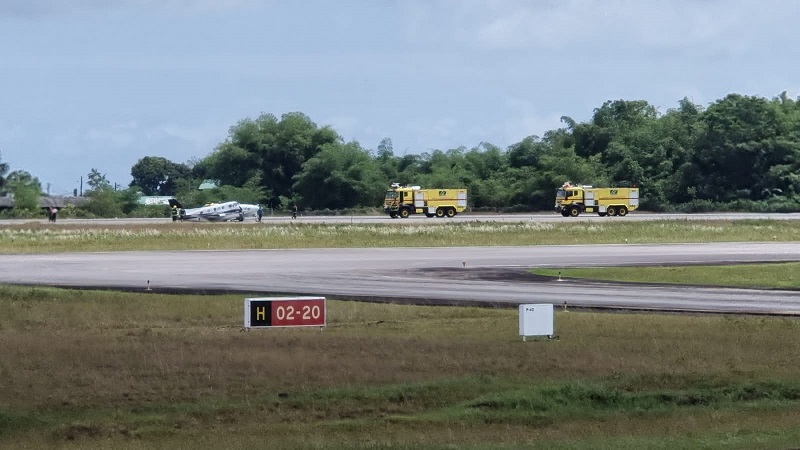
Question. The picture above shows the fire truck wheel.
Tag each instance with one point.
(404, 213)
(602, 214)
(429, 215)
(439, 212)
(611, 211)
(622, 211)
(565, 213)
(393, 215)
(451, 212)
(574, 211)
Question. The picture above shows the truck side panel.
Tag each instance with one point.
(629, 197)
(427, 200)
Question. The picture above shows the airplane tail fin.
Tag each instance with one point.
(175, 203)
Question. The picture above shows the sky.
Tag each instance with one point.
(99, 84)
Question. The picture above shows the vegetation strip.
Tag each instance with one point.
(41, 238)
(767, 275)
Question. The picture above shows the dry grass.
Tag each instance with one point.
(155, 369)
(104, 351)
(40, 237)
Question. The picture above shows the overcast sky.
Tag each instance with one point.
(101, 83)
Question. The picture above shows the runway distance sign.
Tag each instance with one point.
(270, 312)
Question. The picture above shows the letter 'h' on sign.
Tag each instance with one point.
(261, 313)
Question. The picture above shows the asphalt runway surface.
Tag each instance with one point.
(448, 276)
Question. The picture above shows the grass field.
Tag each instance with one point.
(772, 275)
(93, 369)
(83, 369)
(40, 237)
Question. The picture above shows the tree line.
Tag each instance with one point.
(741, 153)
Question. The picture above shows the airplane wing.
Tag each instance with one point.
(221, 217)
(224, 216)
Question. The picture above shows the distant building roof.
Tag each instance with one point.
(208, 184)
(154, 199)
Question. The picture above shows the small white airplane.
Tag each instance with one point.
(214, 212)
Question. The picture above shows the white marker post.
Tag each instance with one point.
(536, 320)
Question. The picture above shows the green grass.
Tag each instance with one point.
(95, 369)
(38, 237)
(772, 275)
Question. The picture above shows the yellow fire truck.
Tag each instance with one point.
(402, 201)
(617, 201)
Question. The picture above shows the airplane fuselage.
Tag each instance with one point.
(215, 212)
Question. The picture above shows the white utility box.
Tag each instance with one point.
(536, 320)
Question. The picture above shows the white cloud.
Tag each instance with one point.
(525, 119)
(118, 135)
(9, 133)
(437, 133)
(130, 133)
(731, 26)
(202, 137)
(344, 125)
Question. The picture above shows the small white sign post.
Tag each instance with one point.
(536, 320)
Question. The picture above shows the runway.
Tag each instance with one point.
(462, 275)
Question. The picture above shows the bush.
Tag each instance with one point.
(150, 211)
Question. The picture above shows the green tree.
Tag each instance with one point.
(743, 140)
(409, 168)
(269, 150)
(678, 131)
(526, 152)
(128, 200)
(386, 161)
(440, 169)
(3, 171)
(96, 180)
(103, 201)
(340, 176)
(249, 193)
(156, 175)
(27, 191)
